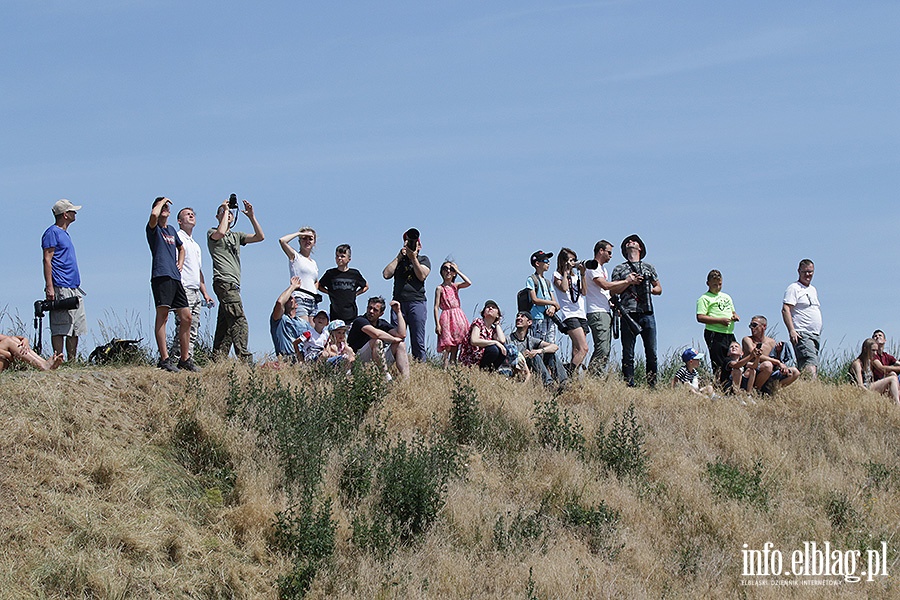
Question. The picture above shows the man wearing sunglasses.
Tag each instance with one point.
(772, 369)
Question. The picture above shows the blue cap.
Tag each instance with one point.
(691, 354)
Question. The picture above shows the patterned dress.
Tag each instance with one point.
(470, 355)
(453, 321)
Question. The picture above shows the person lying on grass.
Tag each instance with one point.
(15, 347)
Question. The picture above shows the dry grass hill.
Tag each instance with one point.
(125, 482)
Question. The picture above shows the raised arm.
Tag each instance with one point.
(258, 234)
(285, 242)
(222, 227)
(278, 309)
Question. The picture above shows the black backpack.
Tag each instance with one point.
(523, 298)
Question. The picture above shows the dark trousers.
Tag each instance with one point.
(648, 335)
(718, 343)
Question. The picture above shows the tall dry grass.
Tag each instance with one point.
(99, 497)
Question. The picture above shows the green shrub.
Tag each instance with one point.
(307, 535)
(503, 435)
(840, 512)
(465, 416)
(730, 481)
(412, 484)
(204, 456)
(597, 525)
(555, 428)
(355, 480)
(621, 449)
(515, 531)
(373, 534)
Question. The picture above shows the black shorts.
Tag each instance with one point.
(574, 323)
(168, 292)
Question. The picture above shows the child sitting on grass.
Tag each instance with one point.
(687, 374)
(337, 350)
(314, 340)
(742, 369)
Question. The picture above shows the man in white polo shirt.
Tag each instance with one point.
(191, 279)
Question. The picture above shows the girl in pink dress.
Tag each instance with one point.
(452, 326)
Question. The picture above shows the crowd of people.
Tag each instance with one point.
(579, 299)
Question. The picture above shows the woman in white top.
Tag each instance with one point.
(861, 372)
(569, 283)
(303, 266)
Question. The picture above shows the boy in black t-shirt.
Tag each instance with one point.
(343, 285)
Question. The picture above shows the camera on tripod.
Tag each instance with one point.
(44, 306)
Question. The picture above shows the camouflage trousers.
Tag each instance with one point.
(231, 323)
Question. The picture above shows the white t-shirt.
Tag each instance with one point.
(313, 346)
(804, 303)
(567, 306)
(193, 256)
(596, 298)
(306, 269)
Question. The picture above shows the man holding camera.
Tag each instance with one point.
(62, 280)
(225, 248)
(409, 270)
(636, 302)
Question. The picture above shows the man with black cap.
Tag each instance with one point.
(62, 280)
(409, 270)
(636, 301)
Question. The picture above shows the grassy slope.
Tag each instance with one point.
(95, 504)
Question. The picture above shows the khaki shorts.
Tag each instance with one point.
(68, 322)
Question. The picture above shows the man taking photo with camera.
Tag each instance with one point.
(62, 280)
(409, 270)
(636, 301)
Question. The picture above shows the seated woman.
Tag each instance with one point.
(14, 347)
(861, 373)
(486, 345)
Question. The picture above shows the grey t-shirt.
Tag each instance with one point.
(636, 298)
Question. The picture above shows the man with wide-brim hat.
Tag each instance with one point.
(636, 301)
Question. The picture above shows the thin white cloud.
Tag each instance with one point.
(759, 45)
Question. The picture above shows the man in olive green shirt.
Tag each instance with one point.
(225, 248)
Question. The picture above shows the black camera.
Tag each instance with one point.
(591, 264)
(233, 201)
(42, 306)
(412, 238)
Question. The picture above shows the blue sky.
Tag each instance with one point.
(737, 136)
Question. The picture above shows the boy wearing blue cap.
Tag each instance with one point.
(688, 376)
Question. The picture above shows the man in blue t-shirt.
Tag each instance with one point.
(167, 252)
(62, 280)
(286, 327)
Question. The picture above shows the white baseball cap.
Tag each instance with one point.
(64, 206)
